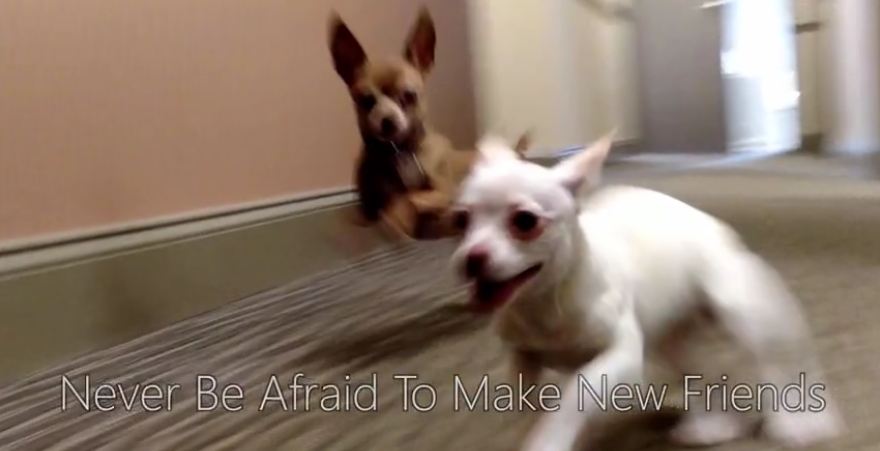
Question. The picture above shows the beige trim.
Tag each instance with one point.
(74, 247)
(54, 239)
(141, 236)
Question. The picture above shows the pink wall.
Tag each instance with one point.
(120, 111)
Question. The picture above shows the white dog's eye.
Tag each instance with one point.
(525, 225)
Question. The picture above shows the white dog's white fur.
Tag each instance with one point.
(619, 274)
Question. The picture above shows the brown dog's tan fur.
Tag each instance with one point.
(390, 103)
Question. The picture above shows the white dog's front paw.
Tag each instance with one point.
(709, 428)
(802, 429)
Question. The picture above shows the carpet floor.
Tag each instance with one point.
(399, 312)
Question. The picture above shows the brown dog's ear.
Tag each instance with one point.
(419, 50)
(348, 55)
(523, 143)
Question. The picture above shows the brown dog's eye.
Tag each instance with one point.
(365, 102)
(409, 98)
(460, 220)
(525, 225)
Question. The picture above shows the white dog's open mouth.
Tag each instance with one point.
(491, 294)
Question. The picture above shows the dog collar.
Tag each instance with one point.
(409, 169)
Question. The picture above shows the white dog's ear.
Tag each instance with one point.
(523, 144)
(494, 148)
(584, 168)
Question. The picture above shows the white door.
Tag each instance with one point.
(759, 72)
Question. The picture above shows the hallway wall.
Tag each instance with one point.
(116, 113)
(564, 69)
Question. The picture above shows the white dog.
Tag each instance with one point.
(595, 286)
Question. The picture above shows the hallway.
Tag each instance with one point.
(817, 228)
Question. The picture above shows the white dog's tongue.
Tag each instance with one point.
(489, 295)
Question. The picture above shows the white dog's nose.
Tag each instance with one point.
(476, 261)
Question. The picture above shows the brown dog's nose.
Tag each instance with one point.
(476, 261)
(388, 126)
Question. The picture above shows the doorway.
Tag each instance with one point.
(717, 76)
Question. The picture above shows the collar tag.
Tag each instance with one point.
(409, 169)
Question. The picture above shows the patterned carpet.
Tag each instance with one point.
(398, 312)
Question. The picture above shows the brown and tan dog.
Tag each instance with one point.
(406, 174)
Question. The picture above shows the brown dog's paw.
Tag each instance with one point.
(433, 201)
(400, 219)
(393, 232)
